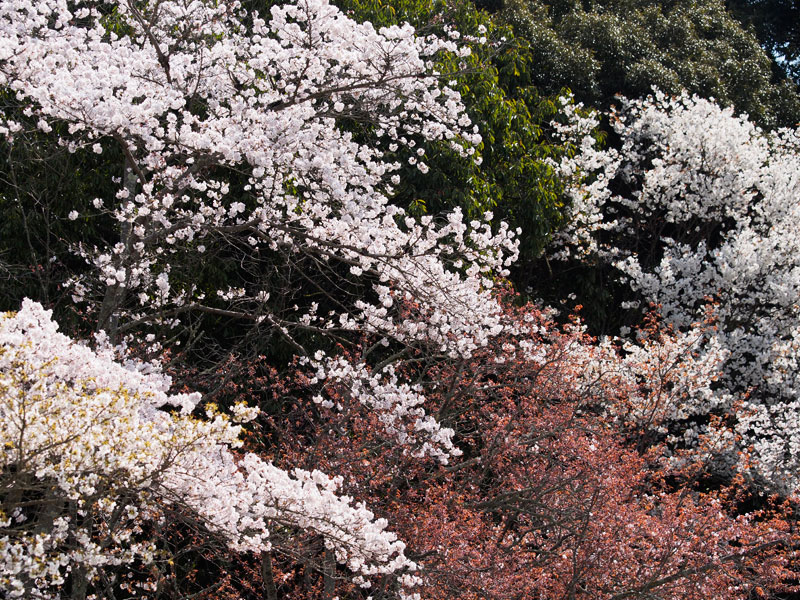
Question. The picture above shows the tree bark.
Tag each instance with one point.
(267, 578)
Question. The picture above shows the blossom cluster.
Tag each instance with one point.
(399, 405)
(87, 459)
(710, 219)
(190, 92)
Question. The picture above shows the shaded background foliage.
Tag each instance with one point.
(775, 23)
(601, 49)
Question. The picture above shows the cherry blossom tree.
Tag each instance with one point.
(696, 209)
(227, 129)
(191, 95)
(90, 458)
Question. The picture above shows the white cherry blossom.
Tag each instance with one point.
(196, 96)
(87, 459)
(711, 218)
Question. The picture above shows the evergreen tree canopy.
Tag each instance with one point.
(603, 48)
(777, 25)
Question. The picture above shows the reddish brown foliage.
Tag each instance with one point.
(552, 498)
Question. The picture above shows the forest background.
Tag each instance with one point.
(499, 305)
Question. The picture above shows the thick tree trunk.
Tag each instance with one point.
(267, 578)
(328, 574)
